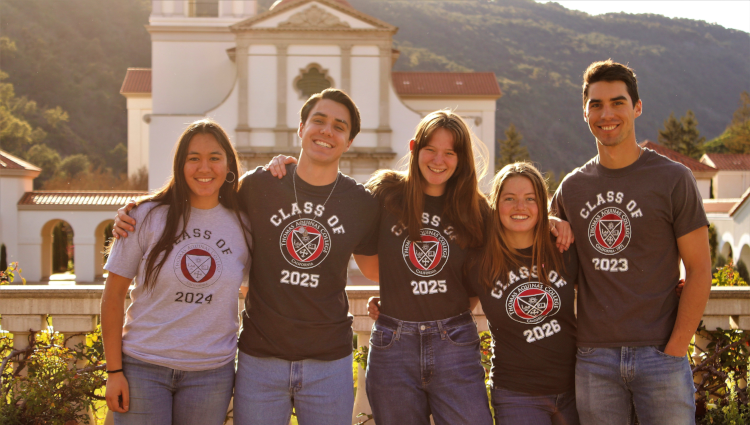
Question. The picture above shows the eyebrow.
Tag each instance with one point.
(211, 153)
(621, 97)
(335, 119)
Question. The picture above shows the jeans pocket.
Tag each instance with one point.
(661, 353)
(463, 335)
(585, 351)
(382, 338)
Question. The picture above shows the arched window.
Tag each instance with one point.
(312, 80)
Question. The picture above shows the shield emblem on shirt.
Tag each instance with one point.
(197, 265)
(428, 256)
(609, 231)
(305, 243)
(532, 302)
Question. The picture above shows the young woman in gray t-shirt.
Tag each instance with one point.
(172, 360)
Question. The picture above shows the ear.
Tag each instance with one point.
(299, 130)
(585, 116)
(348, 145)
(638, 108)
(411, 145)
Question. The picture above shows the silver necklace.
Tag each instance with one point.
(294, 184)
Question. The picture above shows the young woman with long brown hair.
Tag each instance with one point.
(527, 292)
(173, 360)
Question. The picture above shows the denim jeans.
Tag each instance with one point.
(163, 396)
(416, 369)
(266, 389)
(517, 408)
(615, 384)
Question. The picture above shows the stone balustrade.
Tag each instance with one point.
(75, 309)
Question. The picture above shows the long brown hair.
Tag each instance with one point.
(498, 258)
(465, 205)
(176, 194)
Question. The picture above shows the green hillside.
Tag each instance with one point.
(74, 53)
(539, 52)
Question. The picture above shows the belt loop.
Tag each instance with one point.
(398, 330)
(442, 330)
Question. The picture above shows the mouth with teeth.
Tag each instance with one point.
(437, 170)
(323, 144)
(205, 179)
(608, 127)
(519, 217)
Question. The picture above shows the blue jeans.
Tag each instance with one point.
(163, 396)
(613, 385)
(266, 389)
(418, 368)
(517, 408)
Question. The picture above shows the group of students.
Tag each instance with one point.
(437, 246)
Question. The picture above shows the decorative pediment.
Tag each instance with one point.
(307, 15)
(314, 17)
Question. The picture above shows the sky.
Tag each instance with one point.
(729, 14)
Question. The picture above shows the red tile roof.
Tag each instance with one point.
(692, 164)
(730, 161)
(137, 80)
(278, 3)
(10, 162)
(82, 197)
(446, 84)
(722, 206)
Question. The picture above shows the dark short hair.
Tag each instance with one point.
(337, 96)
(610, 70)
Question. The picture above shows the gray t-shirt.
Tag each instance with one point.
(626, 223)
(189, 321)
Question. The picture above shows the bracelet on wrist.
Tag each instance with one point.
(114, 371)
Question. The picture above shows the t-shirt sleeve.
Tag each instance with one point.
(570, 258)
(369, 244)
(687, 206)
(556, 205)
(471, 272)
(249, 262)
(127, 253)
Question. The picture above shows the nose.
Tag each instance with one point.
(204, 165)
(327, 129)
(607, 111)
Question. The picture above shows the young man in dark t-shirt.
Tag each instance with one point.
(296, 338)
(635, 214)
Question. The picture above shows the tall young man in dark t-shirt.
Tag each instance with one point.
(296, 339)
(634, 215)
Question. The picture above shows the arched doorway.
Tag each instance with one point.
(58, 251)
(102, 238)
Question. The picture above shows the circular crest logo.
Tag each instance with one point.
(305, 243)
(197, 265)
(428, 256)
(532, 302)
(609, 231)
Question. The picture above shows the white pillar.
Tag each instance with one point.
(85, 247)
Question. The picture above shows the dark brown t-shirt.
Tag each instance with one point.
(296, 306)
(626, 223)
(421, 281)
(533, 326)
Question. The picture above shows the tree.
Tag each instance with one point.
(682, 135)
(510, 148)
(736, 138)
(45, 158)
(74, 165)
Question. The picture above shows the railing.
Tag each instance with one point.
(75, 309)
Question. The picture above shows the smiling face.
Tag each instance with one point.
(518, 209)
(205, 170)
(325, 133)
(437, 162)
(610, 113)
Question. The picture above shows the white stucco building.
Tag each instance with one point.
(253, 72)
